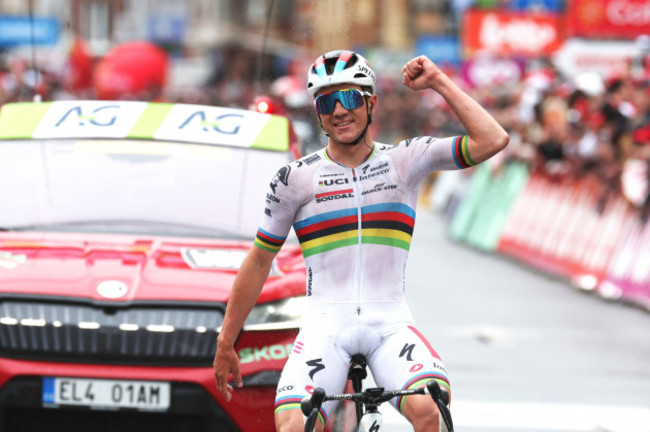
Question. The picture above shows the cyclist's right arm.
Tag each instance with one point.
(279, 215)
(246, 289)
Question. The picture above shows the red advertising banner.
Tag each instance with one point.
(608, 18)
(509, 33)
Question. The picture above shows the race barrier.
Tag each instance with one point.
(570, 228)
(628, 275)
(480, 216)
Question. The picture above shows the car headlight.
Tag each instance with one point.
(278, 315)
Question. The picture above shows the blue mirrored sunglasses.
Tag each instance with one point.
(349, 98)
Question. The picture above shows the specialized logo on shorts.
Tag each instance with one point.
(317, 366)
(408, 351)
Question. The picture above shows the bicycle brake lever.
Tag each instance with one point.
(441, 399)
(433, 388)
(306, 406)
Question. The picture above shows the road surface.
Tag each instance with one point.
(525, 352)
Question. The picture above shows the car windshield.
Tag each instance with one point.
(133, 186)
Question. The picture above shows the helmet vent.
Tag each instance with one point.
(360, 75)
(352, 61)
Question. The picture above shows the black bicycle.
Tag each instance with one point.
(367, 401)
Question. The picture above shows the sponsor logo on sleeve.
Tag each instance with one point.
(308, 160)
(282, 176)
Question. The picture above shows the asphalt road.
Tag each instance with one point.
(525, 352)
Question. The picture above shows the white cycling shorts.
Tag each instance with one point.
(398, 356)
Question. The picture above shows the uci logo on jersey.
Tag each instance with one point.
(228, 124)
(102, 116)
(332, 182)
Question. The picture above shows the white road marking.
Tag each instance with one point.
(535, 416)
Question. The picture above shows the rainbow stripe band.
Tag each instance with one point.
(267, 241)
(419, 381)
(389, 224)
(461, 152)
(293, 402)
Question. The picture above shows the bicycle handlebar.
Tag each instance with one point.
(375, 396)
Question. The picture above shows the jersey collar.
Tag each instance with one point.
(329, 157)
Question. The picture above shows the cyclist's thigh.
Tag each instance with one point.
(315, 361)
(406, 360)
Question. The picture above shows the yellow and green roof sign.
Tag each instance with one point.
(144, 120)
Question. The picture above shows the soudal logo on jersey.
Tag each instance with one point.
(334, 195)
(332, 182)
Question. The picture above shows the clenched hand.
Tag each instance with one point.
(421, 73)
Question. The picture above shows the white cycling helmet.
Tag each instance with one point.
(340, 67)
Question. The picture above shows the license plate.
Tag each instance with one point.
(107, 394)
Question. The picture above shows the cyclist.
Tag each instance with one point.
(351, 205)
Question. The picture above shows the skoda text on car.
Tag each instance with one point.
(122, 227)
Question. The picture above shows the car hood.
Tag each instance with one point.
(125, 268)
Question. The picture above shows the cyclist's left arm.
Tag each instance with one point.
(486, 136)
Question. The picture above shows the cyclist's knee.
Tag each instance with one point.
(292, 421)
(422, 412)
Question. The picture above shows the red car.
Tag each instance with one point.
(122, 227)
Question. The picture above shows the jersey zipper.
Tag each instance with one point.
(357, 202)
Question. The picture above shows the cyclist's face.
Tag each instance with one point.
(345, 125)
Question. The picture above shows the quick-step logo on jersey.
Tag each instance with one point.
(389, 224)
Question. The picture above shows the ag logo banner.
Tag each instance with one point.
(212, 125)
(69, 119)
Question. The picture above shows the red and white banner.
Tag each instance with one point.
(608, 18)
(605, 58)
(509, 33)
(554, 226)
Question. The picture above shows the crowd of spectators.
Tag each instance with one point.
(564, 127)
